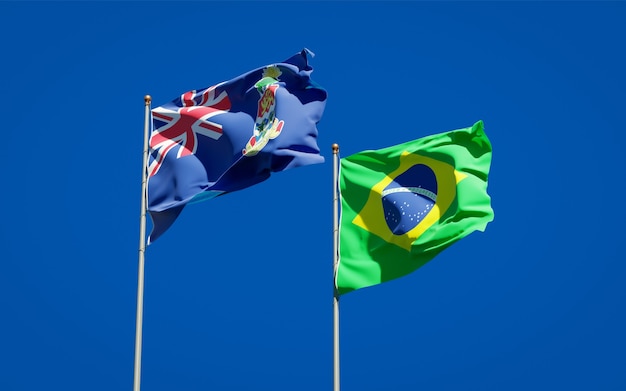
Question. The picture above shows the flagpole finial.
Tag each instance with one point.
(147, 99)
(335, 148)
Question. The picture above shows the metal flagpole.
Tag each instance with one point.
(335, 261)
(142, 246)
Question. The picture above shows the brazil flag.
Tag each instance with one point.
(403, 205)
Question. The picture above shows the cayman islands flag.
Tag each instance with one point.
(232, 135)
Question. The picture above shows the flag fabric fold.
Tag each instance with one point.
(232, 135)
(403, 205)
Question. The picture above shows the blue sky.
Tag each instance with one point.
(239, 291)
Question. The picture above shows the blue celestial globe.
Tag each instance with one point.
(409, 198)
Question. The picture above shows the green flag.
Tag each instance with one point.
(403, 205)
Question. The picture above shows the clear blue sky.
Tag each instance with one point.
(239, 290)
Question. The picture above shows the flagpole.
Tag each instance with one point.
(142, 246)
(335, 262)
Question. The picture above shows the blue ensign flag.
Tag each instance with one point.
(231, 136)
